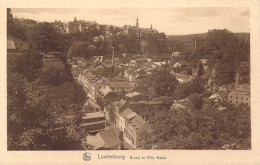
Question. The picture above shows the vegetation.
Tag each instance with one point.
(36, 99)
(164, 83)
(207, 128)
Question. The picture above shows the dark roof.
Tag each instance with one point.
(120, 103)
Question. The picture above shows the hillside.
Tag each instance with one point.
(189, 37)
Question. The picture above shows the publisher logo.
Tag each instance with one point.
(87, 156)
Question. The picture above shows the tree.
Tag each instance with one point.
(195, 101)
(225, 73)
(201, 69)
(44, 37)
(164, 82)
(27, 64)
(111, 113)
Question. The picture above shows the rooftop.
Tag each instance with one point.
(137, 123)
(126, 113)
(105, 89)
(93, 115)
(133, 94)
(120, 103)
(104, 139)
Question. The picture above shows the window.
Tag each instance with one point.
(241, 98)
(236, 97)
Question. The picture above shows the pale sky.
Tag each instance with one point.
(172, 21)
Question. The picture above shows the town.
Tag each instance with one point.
(126, 88)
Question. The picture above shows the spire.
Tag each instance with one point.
(137, 23)
(75, 19)
(151, 26)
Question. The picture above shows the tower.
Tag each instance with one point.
(137, 23)
(75, 19)
(152, 26)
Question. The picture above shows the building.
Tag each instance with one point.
(73, 27)
(90, 82)
(93, 122)
(239, 95)
(119, 106)
(139, 32)
(80, 26)
(108, 139)
(133, 130)
(105, 29)
(11, 48)
(105, 69)
(124, 117)
(59, 26)
(176, 54)
(106, 95)
(120, 86)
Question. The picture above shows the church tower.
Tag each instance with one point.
(137, 23)
(75, 19)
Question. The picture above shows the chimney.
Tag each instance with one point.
(113, 54)
(195, 43)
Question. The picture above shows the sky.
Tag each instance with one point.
(172, 21)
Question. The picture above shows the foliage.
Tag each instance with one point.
(225, 74)
(201, 69)
(195, 101)
(164, 82)
(27, 64)
(194, 86)
(111, 113)
(54, 77)
(204, 129)
(44, 37)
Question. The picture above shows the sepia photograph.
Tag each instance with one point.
(174, 78)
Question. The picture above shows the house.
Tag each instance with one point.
(133, 130)
(120, 86)
(75, 60)
(105, 69)
(215, 97)
(130, 74)
(106, 95)
(93, 122)
(124, 117)
(182, 78)
(11, 48)
(176, 54)
(119, 106)
(108, 139)
(90, 83)
(204, 64)
(239, 95)
(159, 63)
